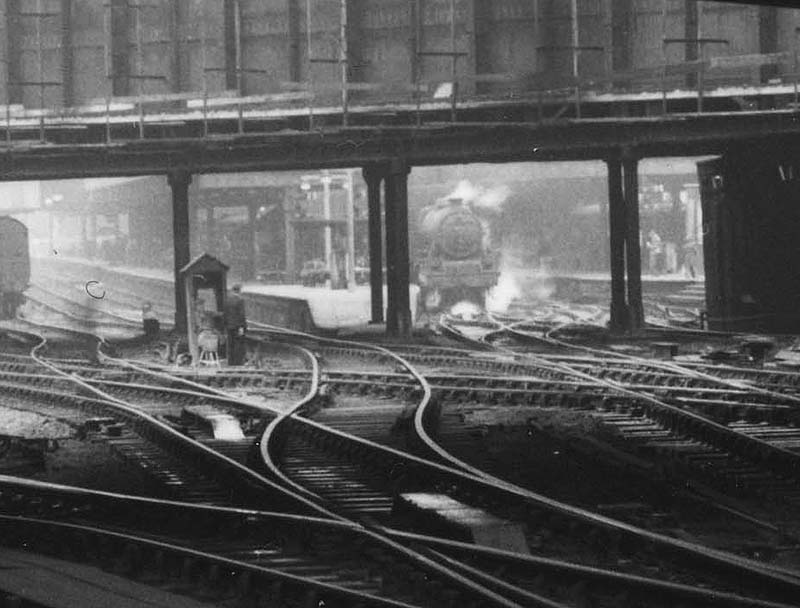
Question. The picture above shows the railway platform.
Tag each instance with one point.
(296, 306)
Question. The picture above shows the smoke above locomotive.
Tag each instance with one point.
(460, 262)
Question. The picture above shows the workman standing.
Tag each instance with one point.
(236, 326)
(150, 322)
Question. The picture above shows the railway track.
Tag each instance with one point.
(199, 457)
(235, 555)
(770, 395)
(339, 481)
(702, 441)
(45, 309)
(731, 397)
(391, 395)
(244, 555)
(326, 440)
(382, 477)
(635, 497)
(122, 297)
(720, 400)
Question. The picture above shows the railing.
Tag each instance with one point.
(313, 106)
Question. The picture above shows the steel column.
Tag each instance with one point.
(356, 34)
(231, 44)
(691, 31)
(250, 260)
(326, 215)
(621, 34)
(119, 24)
(13, 53)
(481, 39)
(294, 16)
(343, 59)
(768, 38)
(177, 56)
(5, 49)
(616, 226)
(67, 61)
(179, 183)
(374, 175)
(350, 217)
(398, 272)
(93, 240)
(289, 231)
(415, 38)
(633, 255)
(51, 232)
(84, 219)
(210, 229)
(470, 35)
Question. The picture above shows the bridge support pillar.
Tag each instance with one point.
(210, 229)
(179, 183)
(398, 311)
(633, 254)
(84, 221)
(616, 221)
(92, 242)
(250, 262)
(374, 175)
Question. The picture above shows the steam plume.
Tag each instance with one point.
(487, 199)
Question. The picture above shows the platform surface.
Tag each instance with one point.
(330, 308)
(59, 584)
(675, 277)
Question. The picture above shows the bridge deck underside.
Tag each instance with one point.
(172, 134)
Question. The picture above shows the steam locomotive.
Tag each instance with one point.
(460, 264)
(15, 266)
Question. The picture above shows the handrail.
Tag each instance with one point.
(530, 87)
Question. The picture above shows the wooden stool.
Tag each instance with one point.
(208, 342)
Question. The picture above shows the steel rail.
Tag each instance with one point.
(59, 538)
(781, 461)
(767, 574)
(672, 367)
(89, 321)
(268, 439)
(226, 469)
(83, 505)
(151, 516)
(454, 477)
(421, 560)
(95, 311)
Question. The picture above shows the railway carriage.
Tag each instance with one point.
(15, 265)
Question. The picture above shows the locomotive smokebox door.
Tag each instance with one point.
(460, 264)
(204, 280)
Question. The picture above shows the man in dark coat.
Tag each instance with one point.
(150, 321)
(236, 326)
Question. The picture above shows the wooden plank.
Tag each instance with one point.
(355, 86)
(252, 99)
(744, 61)
(163, 97)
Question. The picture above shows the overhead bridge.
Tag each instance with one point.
(123, 89)
(153, 134)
